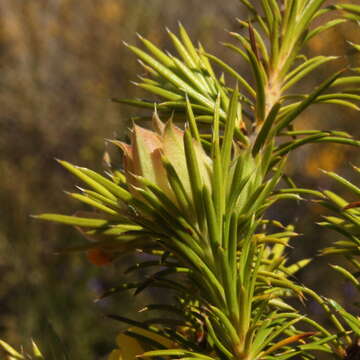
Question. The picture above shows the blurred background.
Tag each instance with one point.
(61, 61)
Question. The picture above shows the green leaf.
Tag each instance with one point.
(158, 53)
(135, 102)
(74, 220)
(176, 352)
(196, 182)
(178, 188)
(351, 320)
(79, 172)
(100, 198)
(157, 90)
(259, 40)
(217, 342)
(188, 44)
(308, 14)
(231, 122)
(346, 80)
(307, 102)
(304, 69)
(94, 203)
(193, 127)
(343, 181)
(191, 77)
(207, 275)
(182, 51)
(219, 316)
(287, 147)
(232, 72)
(352, 8)
(10, 350)
(36, 351)
(218, 188)
(328, 25)
(347, 274)
(265, 132)
(169, 75)
(211, 220)
(237, 50)
(261, 80)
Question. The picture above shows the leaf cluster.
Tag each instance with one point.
(193, 199)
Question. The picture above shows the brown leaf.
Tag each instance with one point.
(352, 205)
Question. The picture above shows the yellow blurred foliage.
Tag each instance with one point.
(129, 347)
(328, 157)
(109, 10)
(115, 355)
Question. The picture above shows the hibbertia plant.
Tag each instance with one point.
(192, 195)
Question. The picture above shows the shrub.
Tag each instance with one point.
(193, 194)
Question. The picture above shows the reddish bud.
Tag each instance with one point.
(99, 257)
